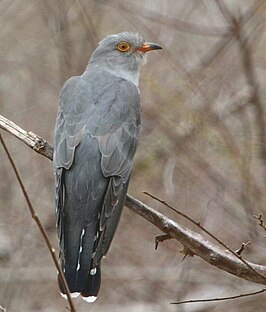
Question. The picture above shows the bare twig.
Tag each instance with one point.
(2, 309)
(40, 226)
(222, 298)
(261, 220)
(161, 238)
(242, 248)
(192, 240)
(187, 253)
(204, 230)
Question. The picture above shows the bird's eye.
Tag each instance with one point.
(123, 46)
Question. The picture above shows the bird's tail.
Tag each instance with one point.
(82, 275)
(89, 292)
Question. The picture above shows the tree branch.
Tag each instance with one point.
(193, 241)
(31, 139)
(198, 244)
(203, 229)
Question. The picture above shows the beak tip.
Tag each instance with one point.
(149, 46)
(155, 46)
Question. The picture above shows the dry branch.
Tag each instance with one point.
(2, 309)
(191, 240)
(238, 255)
(31, 139)
(261, 221)
(198, 244)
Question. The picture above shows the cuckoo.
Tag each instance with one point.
(96, 136)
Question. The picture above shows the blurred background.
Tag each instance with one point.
(202, 146)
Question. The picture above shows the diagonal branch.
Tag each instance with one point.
(198, 244)
(195, 242)
(31, 139)
(237, 254)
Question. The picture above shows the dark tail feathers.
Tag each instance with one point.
(91, 280)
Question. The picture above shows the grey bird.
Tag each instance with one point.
(96, 136)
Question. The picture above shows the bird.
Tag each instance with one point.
(95, 140)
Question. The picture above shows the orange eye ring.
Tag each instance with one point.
(123, 46)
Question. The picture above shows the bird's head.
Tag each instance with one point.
(123, 52)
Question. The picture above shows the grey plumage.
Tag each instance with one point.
(96, 136)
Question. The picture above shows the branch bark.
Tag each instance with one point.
(195, 242)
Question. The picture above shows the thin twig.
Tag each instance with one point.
(187, 253)
(242, 248)
(39, 224)
(161, 238)
(222, 298)
(2, 309)
(261, 220)
(204, 230)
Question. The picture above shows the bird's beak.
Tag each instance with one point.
(148, 46)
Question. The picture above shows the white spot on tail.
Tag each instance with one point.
(80, 248)
(93, 272)
(89, 299)
(72, 295)
(96, 236)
